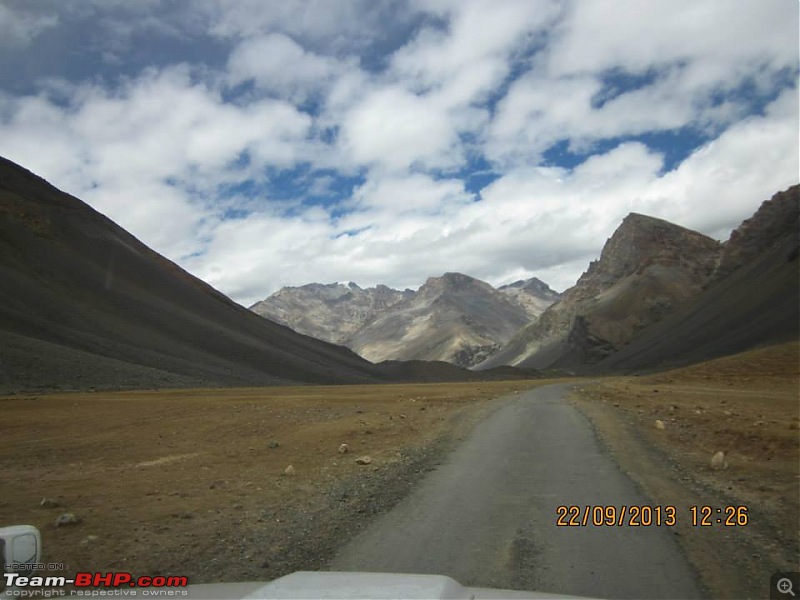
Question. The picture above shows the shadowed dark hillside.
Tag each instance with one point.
(85, 304)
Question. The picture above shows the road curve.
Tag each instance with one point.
(487, 515)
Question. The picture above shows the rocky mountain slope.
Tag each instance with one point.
(332, 312)
(647, 268)
(657, 285)
(453, 318)
(753, 298)
(776, 219)
(533, 294)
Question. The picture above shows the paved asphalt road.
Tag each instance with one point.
(487, 515)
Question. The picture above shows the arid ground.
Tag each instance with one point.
(747, 406)
(192, 482)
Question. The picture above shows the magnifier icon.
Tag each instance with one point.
(785, 586)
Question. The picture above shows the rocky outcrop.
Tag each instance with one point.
(645, 269)
(752, 300)
(776, 219)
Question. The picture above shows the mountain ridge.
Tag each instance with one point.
(648, 270)
(751, 300)
(453, 317)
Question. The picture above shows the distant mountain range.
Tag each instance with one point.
(85, 305)
(454, 318)
(649, 272)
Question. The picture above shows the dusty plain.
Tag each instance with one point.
(191, 482)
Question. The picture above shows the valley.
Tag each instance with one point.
(192, 482)
(170, 430)
(401, 299)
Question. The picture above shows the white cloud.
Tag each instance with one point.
(479, 40)
(726, 38)
(697, 56)
(20, 27)
(722, 182)
(403, 96)
(151, 154)
(283, 68)
(395, 129)
(331, 26)
(416, 193)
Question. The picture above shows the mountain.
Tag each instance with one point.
(776, 219)
(332, 312)
(454, 318)
(87, 305)
(753, 299)
(647, 268)
(533, 294)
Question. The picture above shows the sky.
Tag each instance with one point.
(262, 144)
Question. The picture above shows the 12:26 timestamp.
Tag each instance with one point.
(728, 516)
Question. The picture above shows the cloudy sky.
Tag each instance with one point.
(265, 143)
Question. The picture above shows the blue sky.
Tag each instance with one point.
(261, 144)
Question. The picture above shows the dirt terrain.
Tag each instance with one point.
(747, 406)
(191, 482)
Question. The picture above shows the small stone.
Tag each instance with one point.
(659, 424)
(67, 519)
(289, 471)
(363, 460)
(344, 449)
(49, 503)
(718, 461)
(273, 445)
